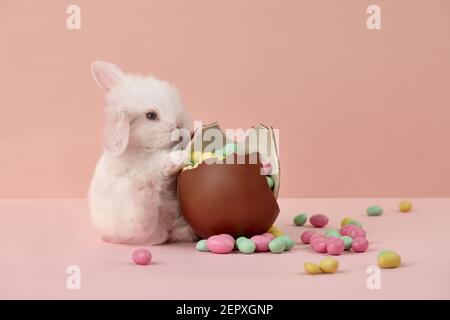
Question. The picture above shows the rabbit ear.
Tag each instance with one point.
(107, 75)
(117, 132)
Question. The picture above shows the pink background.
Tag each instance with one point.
(360, 113)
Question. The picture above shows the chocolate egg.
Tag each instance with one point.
(230, 196)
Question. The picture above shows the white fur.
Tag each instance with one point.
(132, 194)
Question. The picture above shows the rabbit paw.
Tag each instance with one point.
(183, 233)
(177, 160)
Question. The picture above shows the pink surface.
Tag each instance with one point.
(366, 107)
(39, 239)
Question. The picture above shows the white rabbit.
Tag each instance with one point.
(132, 195)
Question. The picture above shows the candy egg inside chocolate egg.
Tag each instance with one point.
(231, 194)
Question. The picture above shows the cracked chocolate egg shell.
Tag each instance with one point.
(227, 198)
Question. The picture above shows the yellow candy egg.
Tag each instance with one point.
(405, 206)
(276, 232)
(198, 156)
(329, 265)
(346, 221)
(311, 268)
(389, 259)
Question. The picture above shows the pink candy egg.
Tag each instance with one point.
(227, 236)
(219, 244)
(315, 237)
(319, 220)
(335, 246)
(268, 235)
(142, 257)
(360, 244)
(319, 245)
(261, 242)
(356, 232)
(306, 236)
(345, 229)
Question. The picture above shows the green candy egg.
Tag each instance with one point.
(277, 245)
(270, 181)
(201, 246)
(228, 149)
(347, 242)
(246, 246)
(300, 219)
(288, 242)
(332, 233)
(374, 211)
(240, 239)
(355, 222)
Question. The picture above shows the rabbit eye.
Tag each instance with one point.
(152, 115)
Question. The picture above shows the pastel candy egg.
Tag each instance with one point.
(239, 239)
(270, 181)
(335, 246)
(346, 221)
(389, 259)
(316, 236)
(201, 246)
(227, 236)
(347, 242)
(360, 244)
(329, 265)
(374, 211)
(311, 268)
(268, 235)
(275, 231)
(142, 257)
(405, 206)
(300, 219)
(246, 246)
(356, 232)
(319, 220)
(306, 236)
(277, 245)
(288, 242)
(332, 233)
(229, 148)
(218, 244)
(319, 245)
(261, 243)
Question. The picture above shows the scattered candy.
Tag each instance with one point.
(201, 246)
(275, 231)
(306, 236)
(329, 265)
(388, 259)
(319, 220)
(300, 219)
(356, 232)
(219, 244)
(348, 221)
(374, 211)
(261, 243)
(347, 242)
(360, 244)
(288, 242)
(332, 233)
(335, 246)
(270, 182)
(405, 206)
(227, 236)
(246, 246)
(142, 257)
(268, 235)
(311, 268)
(277, 245)
(319, 245)
(239, 240)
